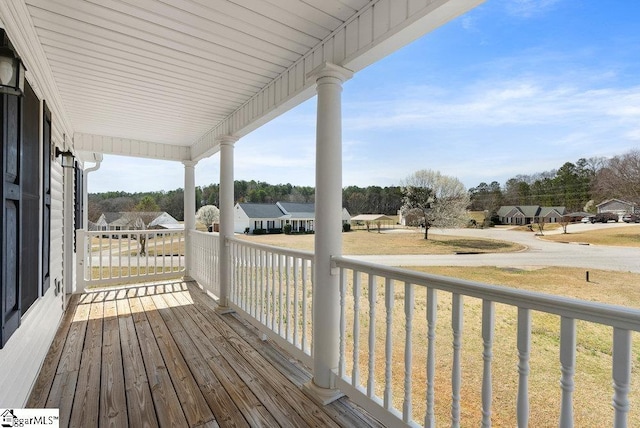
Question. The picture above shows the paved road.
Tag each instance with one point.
(538, 253)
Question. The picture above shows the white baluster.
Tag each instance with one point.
(456, 375)
(432, 312)
(296, 302)
(343, 314)
(567, 367)
(388, 351)
(621, 375)
(488, 321)
(524, 344)
(287, 282)
(372, 336)
(280, 294)
(355, 375)
(304, 304)
(409, 302)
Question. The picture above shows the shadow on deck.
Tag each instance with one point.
(159, 355)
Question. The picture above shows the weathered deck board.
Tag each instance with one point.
(161, 356)
(40, 392)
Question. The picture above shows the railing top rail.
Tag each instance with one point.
(607, 314)
(286, 251)
(132, 231)
(200, 232)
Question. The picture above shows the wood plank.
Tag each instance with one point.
(72, 352)
(267, 393)
(139, 401)
(166, 402)
(62, 394)
(225, 410)
(113, 402)
(342, 411)
(44, 382)
(246, 401)
(194, 405)
(86, 403)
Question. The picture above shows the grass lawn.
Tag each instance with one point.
(628, 236)
(361, 242)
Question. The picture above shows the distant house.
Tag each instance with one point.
(273, 217)
(617, 206)
(128, 220)
(372, 219)
(527, 214)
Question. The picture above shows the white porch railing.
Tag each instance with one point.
(391, 364)
(379, 308)
(205, 259)
(116, 257)
(271, 287)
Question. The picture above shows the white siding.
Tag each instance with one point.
(23, 355)
(240, 220)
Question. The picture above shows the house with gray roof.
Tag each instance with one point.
(130, 220)
(273, 217)
(527, 214)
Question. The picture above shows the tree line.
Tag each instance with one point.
(576, 185)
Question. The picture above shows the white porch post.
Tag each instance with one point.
(189, 213)
(226, 216)
(328, 231)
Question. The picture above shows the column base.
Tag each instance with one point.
(187, 278)
(223, 310)
(322, 396)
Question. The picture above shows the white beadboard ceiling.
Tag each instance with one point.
(184, 72)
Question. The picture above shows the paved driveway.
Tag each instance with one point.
(538, 253)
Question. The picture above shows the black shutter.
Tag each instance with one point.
(10, 208)
(46, 197)
(30, 224)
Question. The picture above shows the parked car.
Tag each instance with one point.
(587, 219)
(631, 218)
(604, 218)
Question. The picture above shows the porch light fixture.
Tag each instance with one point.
(68, 160)
(11, 68)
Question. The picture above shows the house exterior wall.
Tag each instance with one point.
(22, 356)
(240, 220)
(616, 206)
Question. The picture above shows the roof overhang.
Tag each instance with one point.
(167, 80)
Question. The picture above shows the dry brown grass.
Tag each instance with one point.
(362, 242)
(628, 236)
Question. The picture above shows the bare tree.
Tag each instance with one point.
(620, 178)
(442, 199)
(564, 222)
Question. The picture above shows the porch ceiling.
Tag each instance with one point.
(184, 72)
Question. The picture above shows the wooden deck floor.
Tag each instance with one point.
(160, 356)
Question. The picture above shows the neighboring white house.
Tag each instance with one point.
(127, 220)
(273, 217)
(617, 206)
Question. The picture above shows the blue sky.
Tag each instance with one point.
(513, 87)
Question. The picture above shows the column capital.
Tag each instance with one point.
(227, 140)
(189, 163)
(328, 69)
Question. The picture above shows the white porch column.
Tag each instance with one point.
(328, 230)
(226, 216)
(189, 212)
